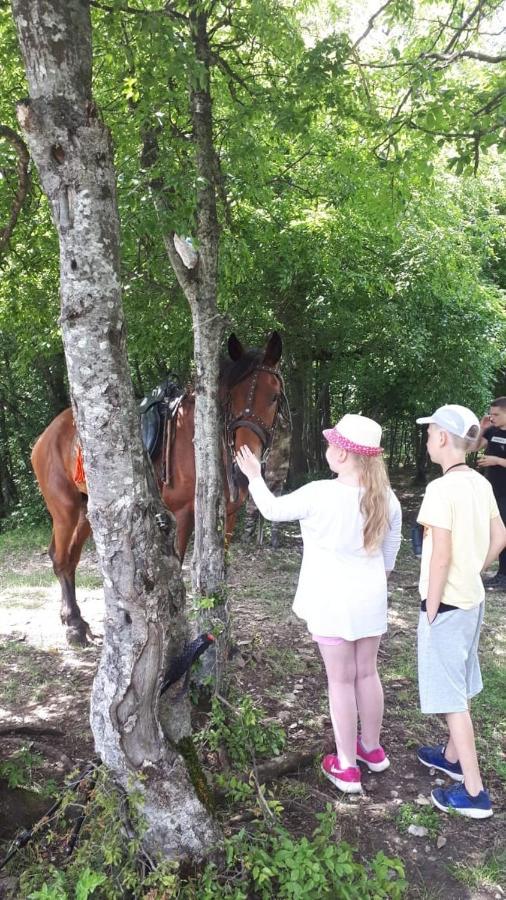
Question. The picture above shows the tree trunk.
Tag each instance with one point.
(421, 457)
(198, 278)
(200, 285)
(296, 387)
(144, 594)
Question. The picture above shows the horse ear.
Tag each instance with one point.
(235, 348)
(273, 350)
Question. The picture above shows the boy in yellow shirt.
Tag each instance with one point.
(463, 534)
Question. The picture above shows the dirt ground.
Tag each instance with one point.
(45, 686)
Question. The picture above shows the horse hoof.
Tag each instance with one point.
(77, 634)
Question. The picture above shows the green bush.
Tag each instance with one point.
(242, 732)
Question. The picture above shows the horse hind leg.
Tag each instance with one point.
(70, 530)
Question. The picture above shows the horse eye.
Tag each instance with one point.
(275, 398)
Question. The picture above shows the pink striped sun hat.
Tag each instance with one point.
(357, 434)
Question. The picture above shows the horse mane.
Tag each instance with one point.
(232, 371)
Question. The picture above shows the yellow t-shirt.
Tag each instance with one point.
(463, 503)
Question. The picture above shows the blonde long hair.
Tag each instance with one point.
(375, 501)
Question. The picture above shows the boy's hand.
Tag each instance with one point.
(248, 463)
(485, 461)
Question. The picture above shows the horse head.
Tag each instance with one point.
(254, 393)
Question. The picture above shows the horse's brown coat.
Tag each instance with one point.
(54, 458)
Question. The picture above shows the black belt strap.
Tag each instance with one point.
(443, 607)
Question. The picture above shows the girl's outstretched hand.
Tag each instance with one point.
(248, 463)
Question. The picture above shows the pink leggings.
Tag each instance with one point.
(354, 692)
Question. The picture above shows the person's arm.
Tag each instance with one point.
(485, 423)
(288, 508)
(497, 540)
(392, 539)
(438, 569)
(485, 461)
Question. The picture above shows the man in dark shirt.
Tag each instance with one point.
(493, 433)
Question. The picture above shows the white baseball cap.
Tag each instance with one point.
(458, 420)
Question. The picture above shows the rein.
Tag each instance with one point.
(249, 419)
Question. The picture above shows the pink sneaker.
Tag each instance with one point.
(375, 760)
(347, 780)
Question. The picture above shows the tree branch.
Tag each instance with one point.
(464, 26)
(491, 104)
(370, 25)
(23, 182)
(469, 54)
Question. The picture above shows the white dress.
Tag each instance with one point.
(342, 589)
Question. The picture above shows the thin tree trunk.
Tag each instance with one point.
(208, 564)
(421, 457)
(295, 383)
(198, 278)
(145, 620)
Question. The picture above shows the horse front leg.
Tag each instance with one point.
(69, 535)
(185, 521)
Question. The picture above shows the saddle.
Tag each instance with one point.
(158, 409)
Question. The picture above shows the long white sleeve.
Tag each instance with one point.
(392, 539)
(288, 508)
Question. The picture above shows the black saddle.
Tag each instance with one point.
(156, 408)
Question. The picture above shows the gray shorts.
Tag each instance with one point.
(448, 666)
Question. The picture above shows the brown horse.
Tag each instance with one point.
(251, 391)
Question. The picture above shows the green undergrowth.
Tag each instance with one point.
(423, 816)
(491, 874)
(261, 862)
(238, 727)
(21, 770)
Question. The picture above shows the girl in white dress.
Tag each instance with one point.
(351, 530)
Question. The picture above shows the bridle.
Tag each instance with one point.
(249, 419)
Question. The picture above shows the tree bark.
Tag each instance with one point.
(145, 622)
(197, 275)
(208, 563)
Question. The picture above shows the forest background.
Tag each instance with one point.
(361, 210)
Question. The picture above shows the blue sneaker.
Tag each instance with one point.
(458, 799)
(434, 758)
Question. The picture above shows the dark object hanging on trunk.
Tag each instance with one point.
(183, 663)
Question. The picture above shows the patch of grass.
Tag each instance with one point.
(490, 874)
(426, 816)
(22, 541)
(40, 578)
(19, 599)
(44, 578)
(17, 770)
(489, 715)
(24, 674)
(290, 789)
(284, 661)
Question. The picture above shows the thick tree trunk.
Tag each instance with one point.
(145, 621)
